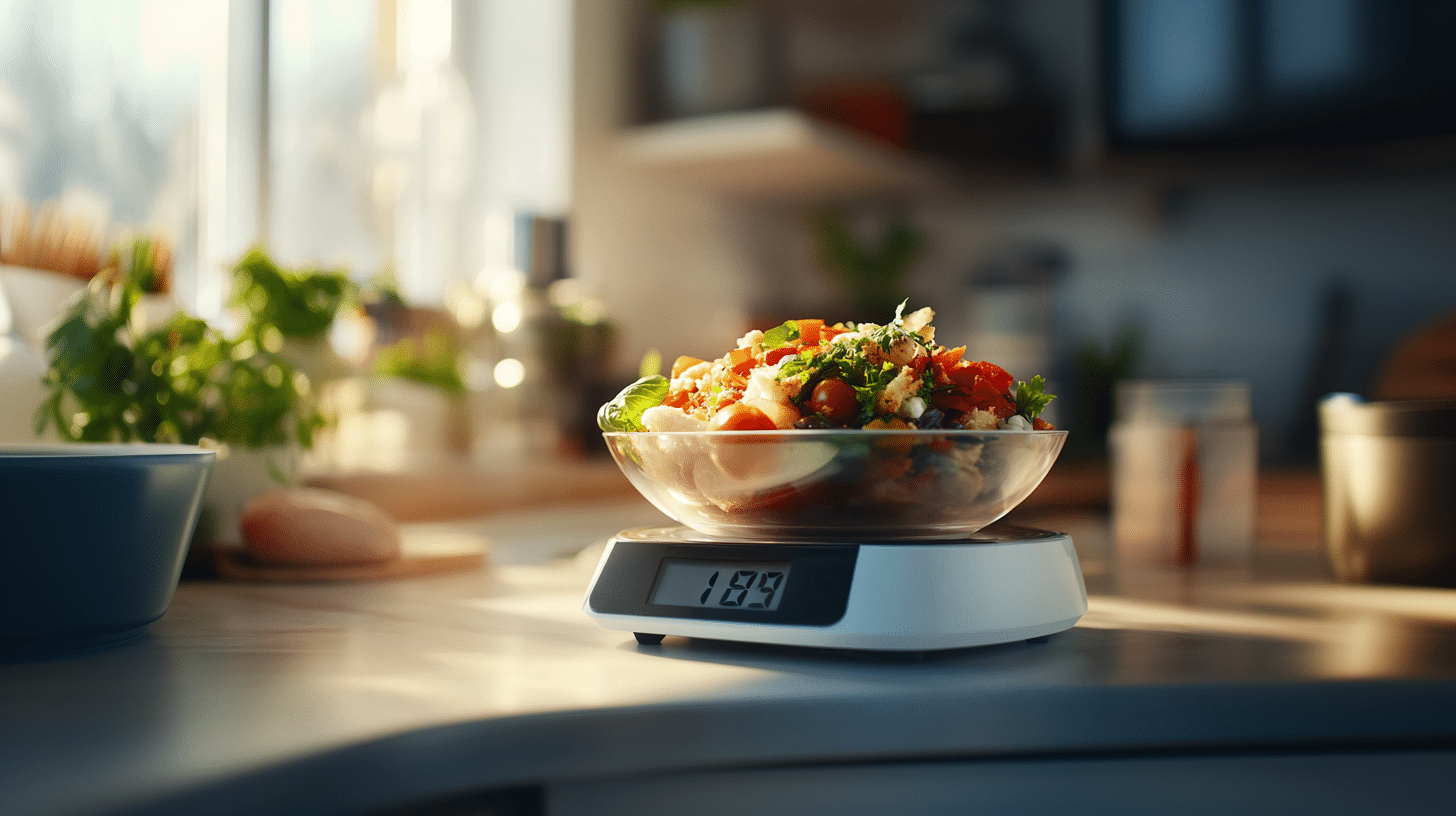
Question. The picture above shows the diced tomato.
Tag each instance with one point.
(970, 373)
(773, 356)
(918, 365)
(994, 374)
(790, 498)
(828, 333)
(947, 358)
(987, 397)
(809, 330)
(697, 404)
(963, 375)
(775, 500)
(740, 361)
(717, 403)
(1040, 424)
(677, 399)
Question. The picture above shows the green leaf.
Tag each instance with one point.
(297, 303)
(796, 365)
(1029, 397)
(780, 336)
(429, 360)
(182, 382)
(624, 412)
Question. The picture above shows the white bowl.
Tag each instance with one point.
(36, 298)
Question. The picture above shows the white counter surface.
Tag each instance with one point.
(359, 698)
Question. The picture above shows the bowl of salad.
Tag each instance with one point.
(812, 431)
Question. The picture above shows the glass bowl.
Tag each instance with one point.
(852, 485)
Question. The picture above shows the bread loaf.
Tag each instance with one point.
(309, 526)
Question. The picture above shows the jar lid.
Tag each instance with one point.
(1349, 414)
(1184, 401)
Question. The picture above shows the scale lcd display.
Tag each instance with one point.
(720, 584)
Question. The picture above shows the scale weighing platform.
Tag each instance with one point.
(1001, 585)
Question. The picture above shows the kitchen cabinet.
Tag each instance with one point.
(1179, 692)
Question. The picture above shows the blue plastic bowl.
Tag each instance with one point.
(93, 537)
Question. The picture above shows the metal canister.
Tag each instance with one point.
(1389, 478)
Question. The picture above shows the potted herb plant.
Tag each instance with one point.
(420, 376)
(872, 269)
(292, 311)
(113, 378)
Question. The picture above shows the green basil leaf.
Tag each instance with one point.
(624, 412)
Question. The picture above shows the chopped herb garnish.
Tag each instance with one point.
(1029, 397)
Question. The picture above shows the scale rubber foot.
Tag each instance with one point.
(648, 640)
(1039, 639)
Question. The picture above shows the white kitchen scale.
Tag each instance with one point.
(1001, 585)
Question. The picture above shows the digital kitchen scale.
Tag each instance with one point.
(1004, 584)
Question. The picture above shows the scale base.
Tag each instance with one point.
(1004, 585)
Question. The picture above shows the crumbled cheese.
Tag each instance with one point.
(762, 384)
(918, 319)
(903, 350)
(979, 420)
(900, 389)
(691, 379)
(1015, 422)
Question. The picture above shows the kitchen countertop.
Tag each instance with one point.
(1195, 691)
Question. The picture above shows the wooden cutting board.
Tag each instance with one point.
(423, 551)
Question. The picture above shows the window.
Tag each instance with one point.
(380, 137)
(108, 114)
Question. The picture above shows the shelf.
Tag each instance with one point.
(778, 154)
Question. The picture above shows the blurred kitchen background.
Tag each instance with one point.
(550, 191)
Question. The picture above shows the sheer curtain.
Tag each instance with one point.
(114, 113)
